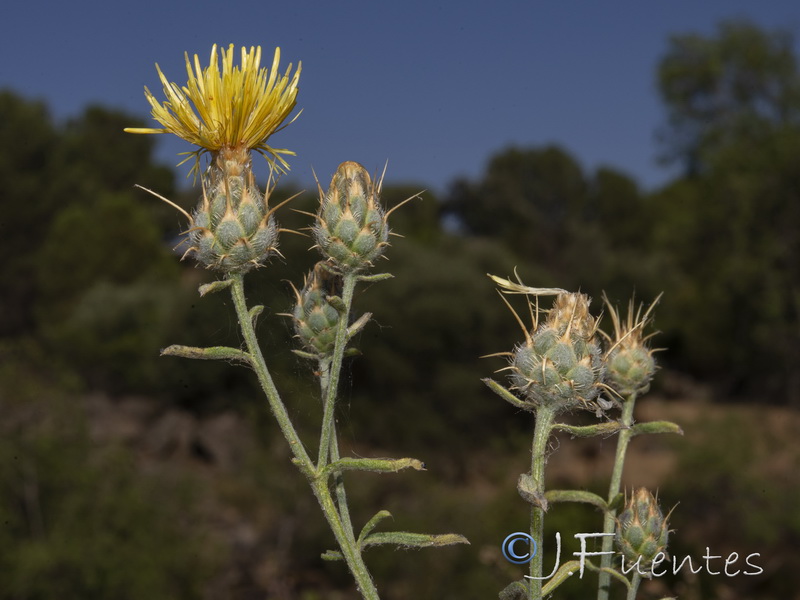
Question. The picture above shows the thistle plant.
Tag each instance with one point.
(230, 113)
(559, 368)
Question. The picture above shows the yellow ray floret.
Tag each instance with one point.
(239, 107)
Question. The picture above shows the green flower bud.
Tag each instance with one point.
(315, 318)
(351, 227)
(232, 227)
(629, 362)
(559, 365)
(642, 530)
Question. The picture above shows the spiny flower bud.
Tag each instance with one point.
(642, 530)
(559, 365)
(315, 318)
(629, 362)
(232, 227)
(351, 226)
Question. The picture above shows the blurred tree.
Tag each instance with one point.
(27, 137)
(47, 169)
(583, 230)
(526, 198)
(726, 236)
(741, 83)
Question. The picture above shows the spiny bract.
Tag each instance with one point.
(559, 365)
(351, 226)
(630, 365)
(642, 530)
(233, 228)
(315, 318)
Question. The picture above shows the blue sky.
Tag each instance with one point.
(433, 88)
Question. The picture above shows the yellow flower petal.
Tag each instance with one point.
(239, 107)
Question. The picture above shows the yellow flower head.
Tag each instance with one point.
(239, 108)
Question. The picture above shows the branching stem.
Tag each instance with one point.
(341, 529)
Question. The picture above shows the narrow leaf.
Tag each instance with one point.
(561, 576)
(608, 428)
(358, 325)
(376, 465)
(576, 496)
(216, 286)
(304, 354)
(332, 555)
(374, 278)
(656, 427)
(213, 353)
(405, 539)
(371, 524)
(505, 394)
(255, 312)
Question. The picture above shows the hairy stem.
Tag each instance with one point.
(604, 579)
(319, 485)
(264, 377)
(338, 478)
(635, 581)
(541, 434)
(335, 370)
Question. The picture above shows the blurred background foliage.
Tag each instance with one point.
(174, 505)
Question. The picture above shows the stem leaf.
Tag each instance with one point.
(576, 496)
(505, 394)
(371, 524)
(376, 277)
(656, 427)
(358, 325)
(405, 539)
(608, 428)
(332, 555)
(376, 465)
(561, 576)
(254, 312)
(212, 353)
(215, 286)
(303, 354)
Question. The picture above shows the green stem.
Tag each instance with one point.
(541, 434)
(609, 523)
(335, 371)
(338, 479)
(320, 486)
(352, 554)
(264, 377)
(635, 581)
